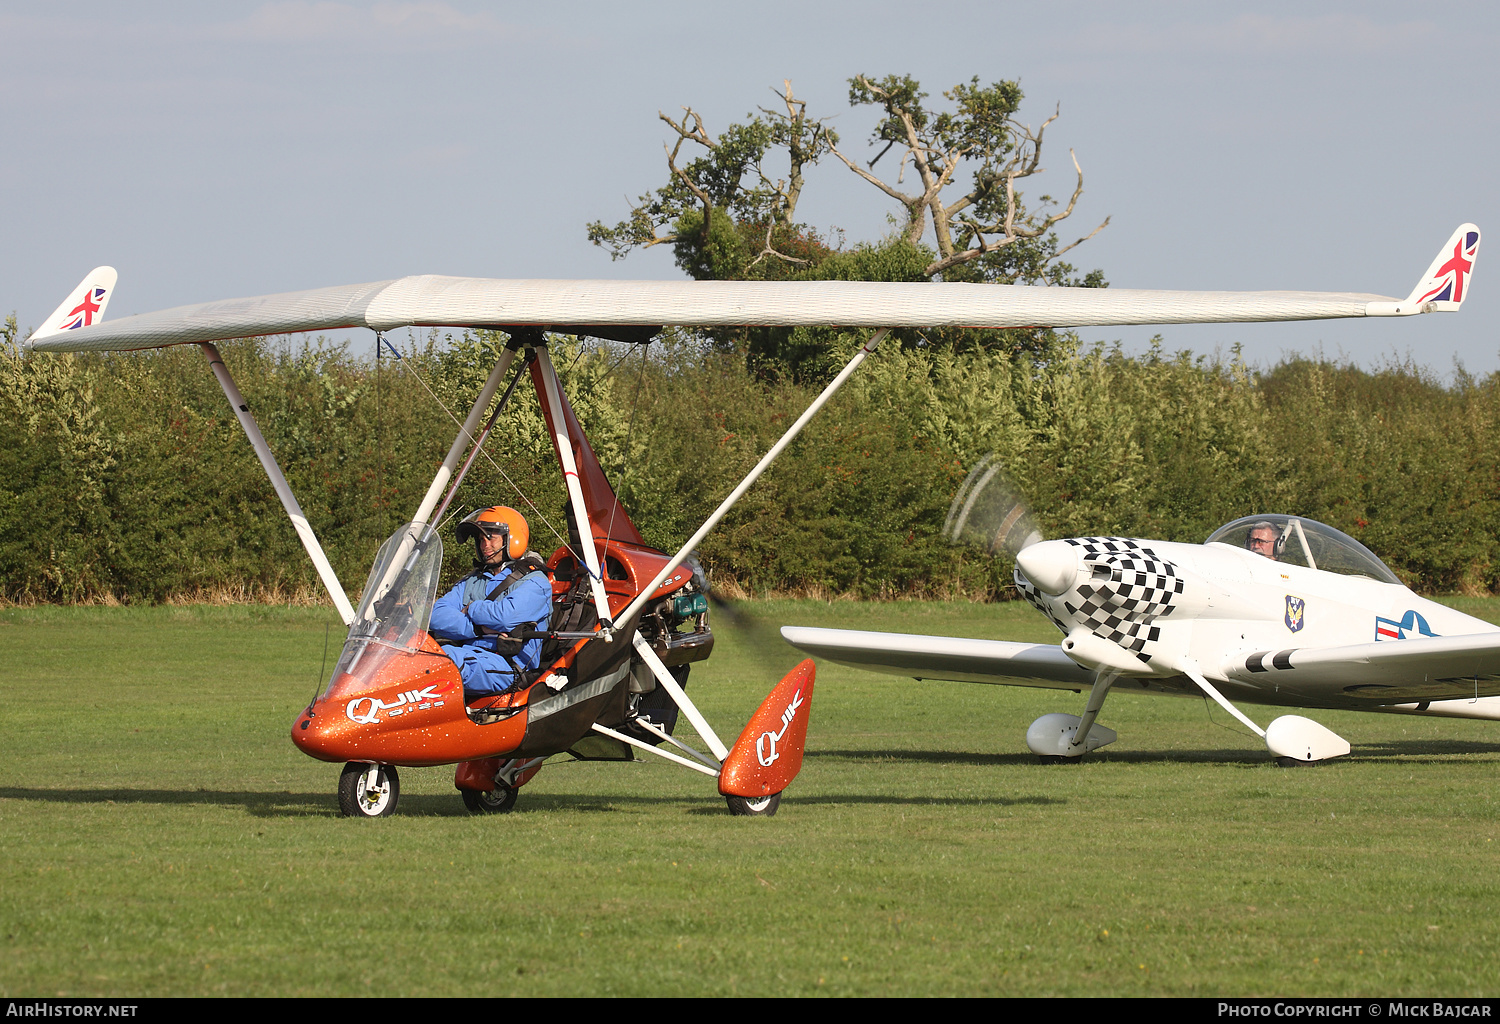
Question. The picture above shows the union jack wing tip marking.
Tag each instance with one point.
(1455, 271)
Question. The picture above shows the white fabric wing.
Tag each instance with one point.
(433, 301)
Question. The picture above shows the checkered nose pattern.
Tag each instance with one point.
(1129, 588)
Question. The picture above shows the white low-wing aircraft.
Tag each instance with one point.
(394, 698)
(1270, 609)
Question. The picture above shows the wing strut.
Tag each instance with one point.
(399, 560)
(563, 441)
(278, 481)
(1191, 671)
(760, 467)
(465, 435)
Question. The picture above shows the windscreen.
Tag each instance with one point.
(394, 609)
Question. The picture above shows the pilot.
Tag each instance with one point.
(1262, 540)
(480, 620)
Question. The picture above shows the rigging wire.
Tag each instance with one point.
(406, 364)
(609, 531)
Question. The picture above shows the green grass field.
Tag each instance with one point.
(159, 835)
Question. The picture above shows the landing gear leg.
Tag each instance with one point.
(1064, 739)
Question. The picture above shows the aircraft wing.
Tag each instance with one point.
(478, 302)
(943, 657)
(436, 301)
(1384, 672)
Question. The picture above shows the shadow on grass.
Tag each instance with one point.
(1420, 749)
(863, 799)
(1030, 760)
(325, 805)
(317, 805)
(1415, 750)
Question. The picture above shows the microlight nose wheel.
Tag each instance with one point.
(368, 790)
(500, 800)
(754, 807)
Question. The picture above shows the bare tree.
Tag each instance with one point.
(988, 216)
(730, 178)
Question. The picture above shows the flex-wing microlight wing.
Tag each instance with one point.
(431, 300)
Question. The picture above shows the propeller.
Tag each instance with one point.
(734, 621)
(989, 513)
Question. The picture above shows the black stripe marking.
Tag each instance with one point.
(1283, 659)
(1253, 662)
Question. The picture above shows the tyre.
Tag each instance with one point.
(368, 790)
(755, 807)
(500, 800)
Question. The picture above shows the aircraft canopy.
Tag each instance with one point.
(1307, 542)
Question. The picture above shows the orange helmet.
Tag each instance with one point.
(497, 519)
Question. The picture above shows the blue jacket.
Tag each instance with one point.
(459, 616)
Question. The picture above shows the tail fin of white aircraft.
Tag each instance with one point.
(1446, 283)
(84, 305)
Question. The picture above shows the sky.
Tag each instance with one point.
(239, 148)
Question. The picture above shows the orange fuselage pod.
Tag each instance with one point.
(406, 709)
(768, 754)
(627, 567)
(405, 706)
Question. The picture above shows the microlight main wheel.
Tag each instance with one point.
(500, 800)
(757, 807)
(368, 790)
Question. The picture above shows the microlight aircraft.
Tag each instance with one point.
(1270, 609)
(629, 618)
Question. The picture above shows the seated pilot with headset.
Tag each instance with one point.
(507, 593)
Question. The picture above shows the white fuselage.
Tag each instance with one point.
(1213, 608)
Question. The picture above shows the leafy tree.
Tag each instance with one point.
(728, 218)
(987, 227)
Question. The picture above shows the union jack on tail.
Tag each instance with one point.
(1447, 280)
(84, 306)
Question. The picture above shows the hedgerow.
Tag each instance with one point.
(125, 477)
